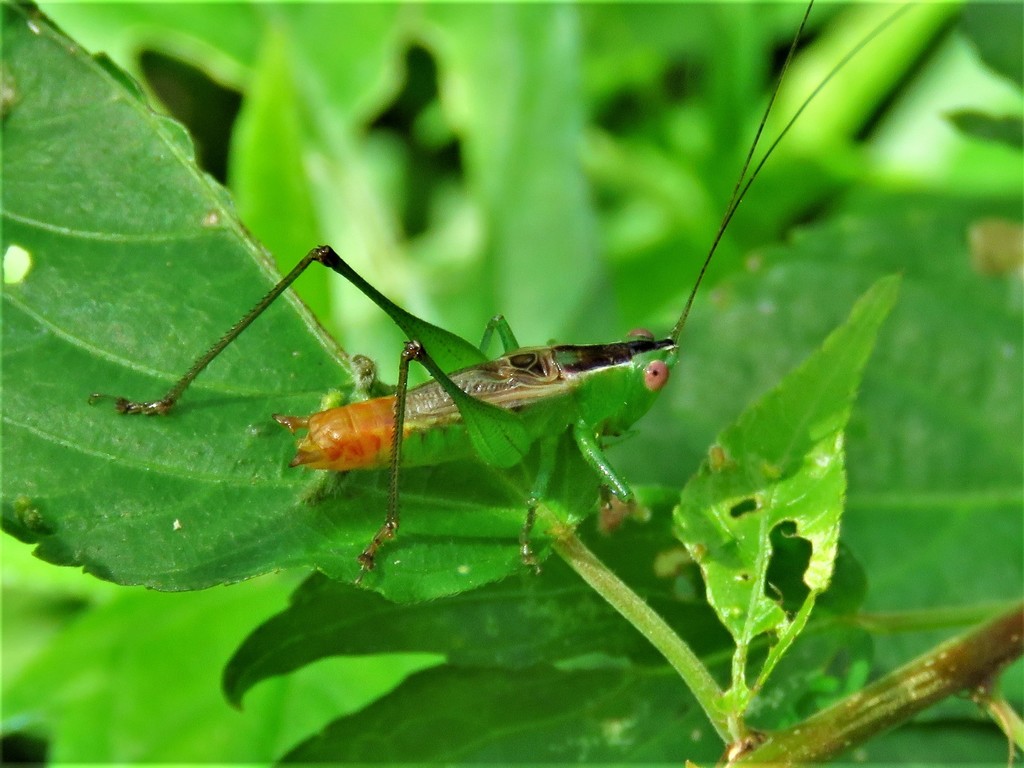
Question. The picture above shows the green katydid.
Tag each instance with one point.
(497, 410)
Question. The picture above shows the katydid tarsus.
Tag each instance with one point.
(497, 410)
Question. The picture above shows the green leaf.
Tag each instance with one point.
(779, 468)
(1007, 130)
(138, 264)
(109, 305)
(355, 70)
(825, 664)
(139, 667)
(516, 623)
(932, 474)
(959, 742)
(222, 40)
(561, 716)
(305, 98)
(997, 31)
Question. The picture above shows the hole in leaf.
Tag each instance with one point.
(744, 507)
(17, 264)
(848, 586)
(785, 577)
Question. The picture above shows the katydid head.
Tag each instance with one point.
(648, 373)
(657, 370)
(617, 383)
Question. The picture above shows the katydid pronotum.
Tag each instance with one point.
(497, 410)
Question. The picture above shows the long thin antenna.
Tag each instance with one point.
(743, 183)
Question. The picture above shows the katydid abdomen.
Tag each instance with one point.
(354, 436)
(360, 436)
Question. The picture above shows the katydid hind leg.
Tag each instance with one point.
(167, 402)
(475, 414)
(468, 406)
(450, 350)
(499, 436)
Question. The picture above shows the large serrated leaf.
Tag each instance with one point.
(108, 305)
(138, 263)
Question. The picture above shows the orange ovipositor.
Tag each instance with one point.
(354, 436)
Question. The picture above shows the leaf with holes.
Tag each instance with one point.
(771, 493)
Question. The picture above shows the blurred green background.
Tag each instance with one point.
(568, 166)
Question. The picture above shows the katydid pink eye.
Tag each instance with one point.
(656, 375)
(640, 333)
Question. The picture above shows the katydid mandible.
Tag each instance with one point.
(497, 410)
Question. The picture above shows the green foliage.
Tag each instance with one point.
(779, 469)
(563, 166)
(549, 727)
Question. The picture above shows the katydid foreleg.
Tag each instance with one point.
(590, 448)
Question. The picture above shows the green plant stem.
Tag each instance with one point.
(966, 663)
(650, 625)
